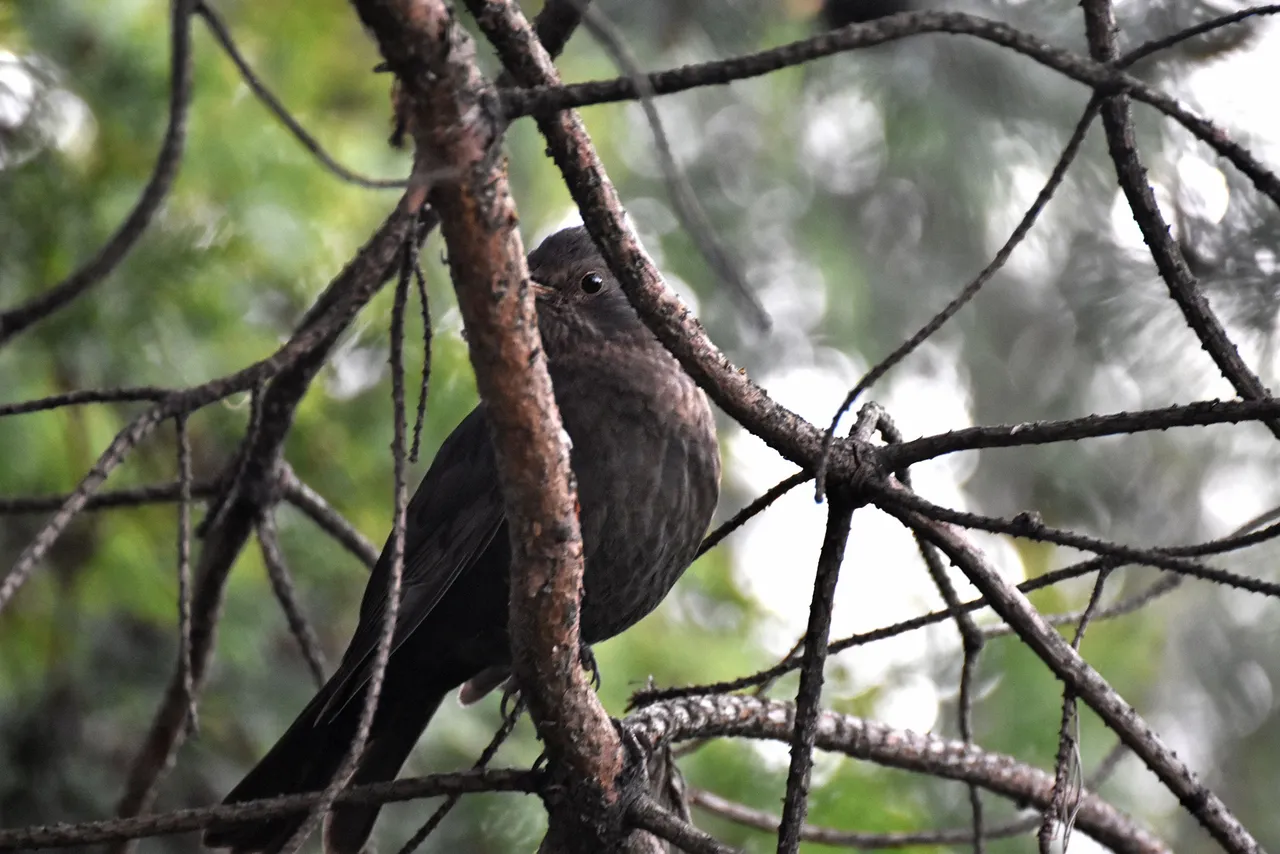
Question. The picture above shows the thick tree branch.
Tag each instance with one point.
(451, 111)
(738, 716)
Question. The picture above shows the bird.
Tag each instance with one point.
(646, 461)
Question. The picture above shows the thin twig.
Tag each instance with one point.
(222, 35)
(135, 496)
(1029, 526)
(184, 571)
(310, 502)
(809, 695)
(75, 398)
(224, 815)
(969, 291)
(124, 442)
(648, 815)
(293, 490)
(1137, 602)
(1162, 44)
(1197, 414)
(509, 722)
(286, 594)
(424, 385)
(693, 217)
(1067, 774)
(373, 688)
(761, 820)
(971, 637)
(752, 510)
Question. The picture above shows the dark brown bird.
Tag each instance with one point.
(648, 474)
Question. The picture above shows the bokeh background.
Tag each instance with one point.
(858, 194)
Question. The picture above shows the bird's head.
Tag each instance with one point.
(578, 299)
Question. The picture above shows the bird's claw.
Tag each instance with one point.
(587, 659)
(512, 704)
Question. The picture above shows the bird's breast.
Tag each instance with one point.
(648, 472)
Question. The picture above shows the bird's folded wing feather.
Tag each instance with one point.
(451, 520)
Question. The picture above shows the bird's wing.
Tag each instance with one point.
(451, 520)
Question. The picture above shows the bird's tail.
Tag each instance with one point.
(308, 755)
(348, 827)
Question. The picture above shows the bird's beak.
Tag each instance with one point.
(541, 291)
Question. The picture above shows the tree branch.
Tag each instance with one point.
(545, 97)
(222, 35)
(450, 110)
(1088, 684)
(1196, 414)
(809, 696)
(660, 309)
(185, 821)
(738, 716)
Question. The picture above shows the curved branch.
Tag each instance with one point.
(287, 595)
(169, 159)
(1155, 46)
(738, 716)
(312, 503)
(969, 291)
(1184, 288)
(223, 37)
(684, 201)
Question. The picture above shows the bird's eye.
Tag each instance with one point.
(592, 283)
